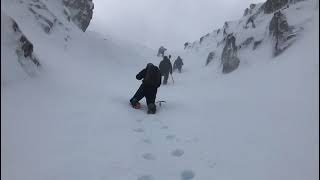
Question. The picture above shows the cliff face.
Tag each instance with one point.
(275, 23)
(79, 11)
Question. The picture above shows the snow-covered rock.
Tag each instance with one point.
(259, 28)
(281, 33)
(271, 6)
(79, 11)
(229, 58)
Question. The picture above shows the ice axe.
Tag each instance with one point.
(159, 102)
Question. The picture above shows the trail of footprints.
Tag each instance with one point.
(176, 153)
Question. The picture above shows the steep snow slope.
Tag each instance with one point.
(73, 121)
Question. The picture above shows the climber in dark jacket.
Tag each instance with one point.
(178, 63)
(165, 67)
(151, 82)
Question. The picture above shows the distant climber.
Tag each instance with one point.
(161, 51)
(165, 67)
(178, 63)
(151, 82)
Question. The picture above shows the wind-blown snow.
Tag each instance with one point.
(73, 120)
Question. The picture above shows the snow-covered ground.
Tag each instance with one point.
(73, 120)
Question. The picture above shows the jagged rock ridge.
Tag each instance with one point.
(79, 11)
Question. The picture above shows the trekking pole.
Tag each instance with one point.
(172, 79)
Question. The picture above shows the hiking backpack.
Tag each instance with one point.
(152, 77)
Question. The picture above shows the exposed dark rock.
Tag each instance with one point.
(25, 47)
(210, 57)
(225, 27)
(43, 15)
(252, 6)
(15, 27)
(186, 44)
(256, 44)
(201, 39)
(229, 59)
(250, 20)
(79, 11)
(224, 32)
(281, 33)
(246, 12)
(271, 6)
(247, 42)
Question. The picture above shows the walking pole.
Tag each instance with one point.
(172, 79)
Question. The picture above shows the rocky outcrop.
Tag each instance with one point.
(249, 10)
(271, 6)
(282, 34)
(225, 28)
(229, 59)
(210, 57)
(24, 51)
(43, 15)
(250, 20)
(79, 11)
(204, 37)
(246, 42)
(246, 12)
(186, 44)
(256, 44)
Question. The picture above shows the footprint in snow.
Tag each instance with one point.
(148, 156)
(138, 130)
(170, 137)
(177, 152)
(155, 120)
(147, 141)
(211, 164)
(187, 174)
(145, 177)
(164, 127)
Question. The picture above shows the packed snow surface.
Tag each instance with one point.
(73, 120)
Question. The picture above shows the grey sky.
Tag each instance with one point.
(164, 22)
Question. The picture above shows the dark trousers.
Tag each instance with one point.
(149, 93)
(179, 69)
(165, 78)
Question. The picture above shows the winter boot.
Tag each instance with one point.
(134, 103)
(151, 108)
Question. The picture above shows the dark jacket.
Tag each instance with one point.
(178, 63)
(165, 66)
(151, 76)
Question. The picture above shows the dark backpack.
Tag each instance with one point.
(152, 77)
(165, 66)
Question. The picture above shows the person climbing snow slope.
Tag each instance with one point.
(178, 63)
(165, 67)
(151, 82)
